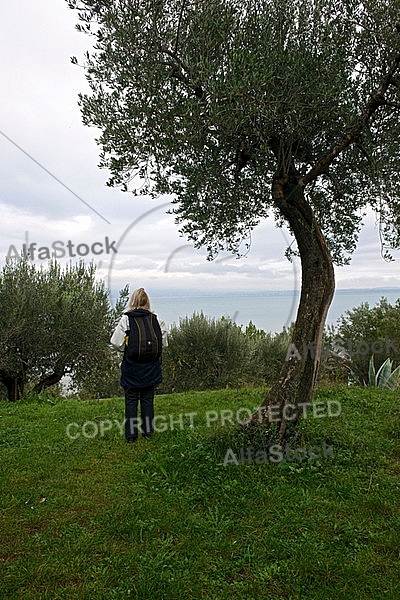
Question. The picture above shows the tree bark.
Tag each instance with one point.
(293, 392)
(13, 384)
(52, 379)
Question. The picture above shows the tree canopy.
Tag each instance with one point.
(53, 322)
(208, 99)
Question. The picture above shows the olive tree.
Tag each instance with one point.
(244, 109)
(53, 322)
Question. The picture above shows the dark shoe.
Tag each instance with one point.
(131, 440)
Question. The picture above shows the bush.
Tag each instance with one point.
(267, 353)
(359, 329)
(204, 353)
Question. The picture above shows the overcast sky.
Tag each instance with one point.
(40, 118)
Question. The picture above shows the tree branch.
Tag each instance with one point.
(392, 104)
(182, 72)
(376, 100)
(178, 30)
(53, 378)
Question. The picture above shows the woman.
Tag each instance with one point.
(139, 373)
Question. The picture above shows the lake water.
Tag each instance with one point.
(270, 311)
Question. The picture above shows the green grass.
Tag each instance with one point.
(164, 519)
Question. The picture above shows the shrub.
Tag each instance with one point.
(361, 328)
(204, 353)
(267, 353)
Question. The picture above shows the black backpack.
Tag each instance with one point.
(143, 339)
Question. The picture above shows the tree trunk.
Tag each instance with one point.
(289, 397)
(52, 379)
(14, 386)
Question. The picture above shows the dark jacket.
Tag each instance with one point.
(140, 375)
(136, 374)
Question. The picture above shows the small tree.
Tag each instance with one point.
(368, 331)
(246, 107)
(52, 323)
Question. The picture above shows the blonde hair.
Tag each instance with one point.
(139, 299)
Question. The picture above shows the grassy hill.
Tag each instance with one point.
(93, 517)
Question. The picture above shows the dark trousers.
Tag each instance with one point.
(132, 397)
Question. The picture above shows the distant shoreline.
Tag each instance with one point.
(269, 310)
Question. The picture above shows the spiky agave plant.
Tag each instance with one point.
(384, 377)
